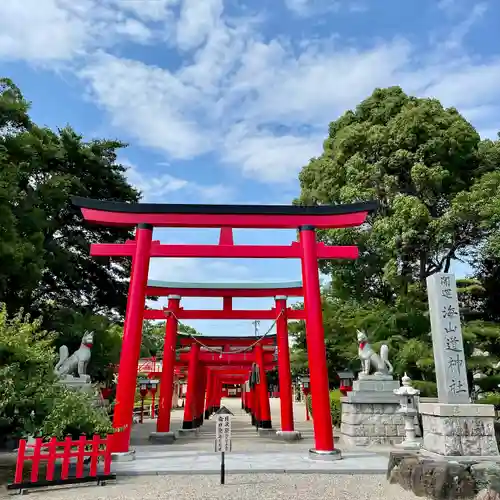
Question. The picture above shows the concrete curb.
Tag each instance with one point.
(212, 472)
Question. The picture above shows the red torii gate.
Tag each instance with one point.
(145, 216)
(206, 375)
(202, 365)
(227, 291)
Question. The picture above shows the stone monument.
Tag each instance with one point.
(77, 363)
(453, 426)
(370, 411)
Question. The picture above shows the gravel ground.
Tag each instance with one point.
(238, 487)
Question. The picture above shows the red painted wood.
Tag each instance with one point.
(235, 314)
(35, 460)
(51, 458)
(18, 478)
(47, 452)
(233, 341)
(82, 442)
(250, 221)
(153, 291)
(224, 251)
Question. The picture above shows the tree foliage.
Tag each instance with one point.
(45, 264)
(438, 188)
(153, 337)
(32, 401)
(437, 183)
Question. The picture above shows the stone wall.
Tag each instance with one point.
(459, 430)
(442, 480)
(363, 424)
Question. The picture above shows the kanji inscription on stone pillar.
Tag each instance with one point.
(447, 341)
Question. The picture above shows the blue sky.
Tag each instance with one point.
(223, 101)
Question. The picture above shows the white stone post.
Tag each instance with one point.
(447, 341)
(453, 426)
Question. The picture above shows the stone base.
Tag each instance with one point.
(127, 456)
(443, 479)
(78, 383)
(409, 445)
(365, 424)
(188, 432)
(328, 456)
(288, 436)
(162, 437)
(266, 432)
(373, 389)
(369, 413)
(459, 429)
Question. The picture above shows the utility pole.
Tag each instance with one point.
(256, 325)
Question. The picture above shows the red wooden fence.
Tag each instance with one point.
(55, 452)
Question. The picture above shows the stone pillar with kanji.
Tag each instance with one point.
(453, 426)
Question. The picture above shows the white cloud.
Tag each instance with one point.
(261, 105)
(147, 10)
(157, 187)
(25, 33)
(306, 8)
(198, 270)
(457, 36)
(158, 101)
(268, 157)
(197, 21)
(44, 31)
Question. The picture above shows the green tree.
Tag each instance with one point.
(32, 401)
(153, 337)
(45, 265)
(437, 183)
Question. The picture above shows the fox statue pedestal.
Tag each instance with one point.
(369, 411)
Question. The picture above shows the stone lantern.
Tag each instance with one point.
(143, 391)
(305, 382)
(346, 378)
(408, 408)
(153, 385)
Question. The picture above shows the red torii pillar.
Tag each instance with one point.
(132, 336)
(218, 393)
(264, 417)
(163, 433)
(200, 396)
(316, 352)
(193, 373)
(287, 431)
(210, 396)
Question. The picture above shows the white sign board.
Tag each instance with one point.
(223, 433)
(447, 341)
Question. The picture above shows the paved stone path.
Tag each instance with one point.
(251, 453)
(240, 487)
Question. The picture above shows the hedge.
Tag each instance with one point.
(335, 407)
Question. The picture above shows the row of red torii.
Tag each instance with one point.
(145, 216)
(214, 361)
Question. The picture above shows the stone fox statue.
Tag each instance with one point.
(370, 359)
(78, 361)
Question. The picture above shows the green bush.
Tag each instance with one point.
(428, 389)
(72, 414)
(32, 400)
(490, 398)
(335, 407)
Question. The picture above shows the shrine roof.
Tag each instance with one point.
(195, 208)
(235, 216)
